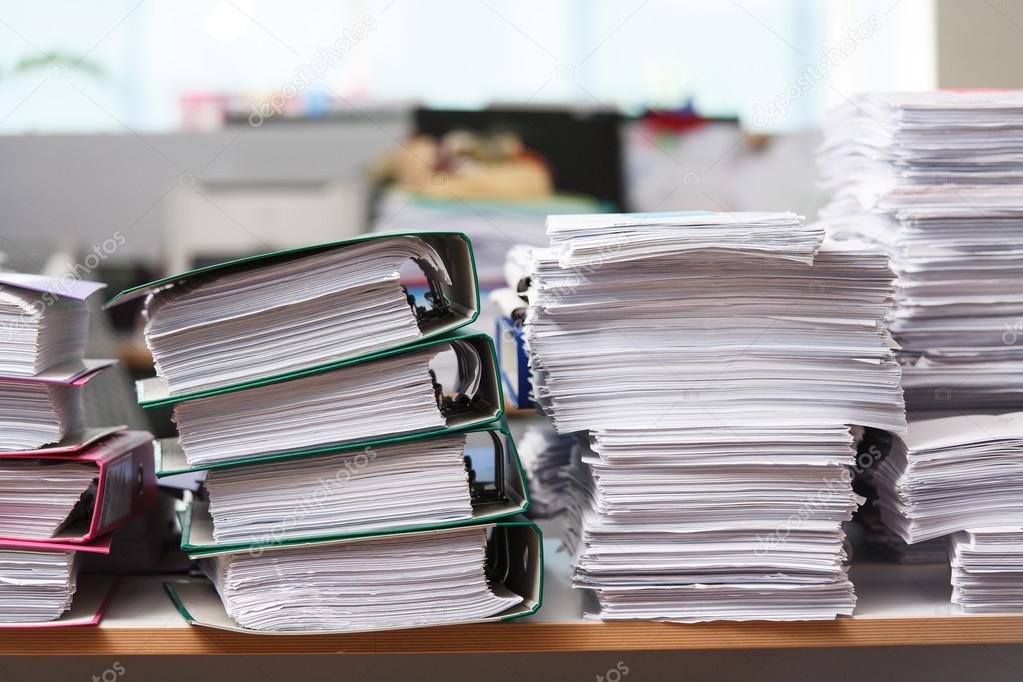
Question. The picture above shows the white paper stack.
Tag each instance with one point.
(376, 583)
(705, 527)
(375, 489)
(717, 335)
(43, 328)
(937, 178)
(35, 586)
(384, 397)
(952, 474)
(37, 497)
(34, 414)
(286, 316)
(38, 332)
(545, 454)
(717, 361)
(987, 569)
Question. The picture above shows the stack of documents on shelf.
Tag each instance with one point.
(35, 413)
(378, 583)
(682, 522)
(545, 455)
(392, 395)
(438, 576)
(769, 339)
(717, 362)
(43, 326)
(352, 452)
(937, 178)
(37, 496)
(282, 316)
(952, 474)
(36, 585)
(63, 488)
(592, 241)
(987, 569)
(431, 387)
(286, 311)
(40, 326)
(419, 482)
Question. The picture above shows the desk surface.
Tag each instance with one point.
(898, 605)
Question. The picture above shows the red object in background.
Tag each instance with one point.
(674, 121)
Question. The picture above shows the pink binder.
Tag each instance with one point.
(125, 471)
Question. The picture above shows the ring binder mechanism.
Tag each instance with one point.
(270, 315)
(509, 584)
(439, 308)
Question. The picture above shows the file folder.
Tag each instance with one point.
(455, 304)
(515, 563)
(126, 487)
(504, 496)
(93, 596)
(486, 406)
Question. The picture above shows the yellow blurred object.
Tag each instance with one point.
(467, 166)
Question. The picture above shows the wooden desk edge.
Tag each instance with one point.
(525, 638)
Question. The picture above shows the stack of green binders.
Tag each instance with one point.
(359, 473)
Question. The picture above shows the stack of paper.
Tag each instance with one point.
(335, 429)
(392, 395)
(422, 482)
(37, 335)
(987, 569)
(717, 362)
(43, 325)
(748, 514)
(38, 496)
(376, 583)
(937, 178)
(63, 488)
(35, 585)
(35, 413)
(952, 474)
(284, 316)
(545, 455)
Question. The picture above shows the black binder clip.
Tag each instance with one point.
(482, 492)
(449, 405)
(439, 308)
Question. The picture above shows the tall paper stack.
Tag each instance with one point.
(63, 488)
(937, 179)
(717, 362)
